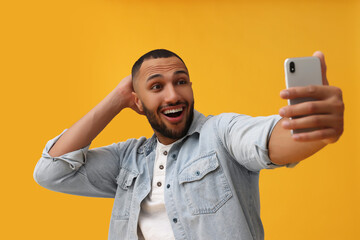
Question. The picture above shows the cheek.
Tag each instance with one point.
(189, 95)
(152, 103)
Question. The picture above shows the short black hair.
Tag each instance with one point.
(157, 53)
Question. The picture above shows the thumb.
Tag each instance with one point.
(321, 56)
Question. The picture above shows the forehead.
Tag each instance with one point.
(160, 66)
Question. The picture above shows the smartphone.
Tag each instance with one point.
(300, 72)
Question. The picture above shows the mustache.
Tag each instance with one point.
(174, 104)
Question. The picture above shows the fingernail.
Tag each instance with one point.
(282, 112)
(296, 137)
(284, 94)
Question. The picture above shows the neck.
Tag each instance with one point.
(165, 140)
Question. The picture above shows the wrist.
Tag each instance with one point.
(115, 102)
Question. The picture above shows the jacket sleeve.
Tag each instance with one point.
(82, 172)
(246, 139)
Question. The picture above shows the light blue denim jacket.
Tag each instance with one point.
(212, 174)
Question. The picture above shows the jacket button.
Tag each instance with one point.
(175, 220)
(159, 184)
(168, 186)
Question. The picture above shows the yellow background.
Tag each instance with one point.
(58, 59)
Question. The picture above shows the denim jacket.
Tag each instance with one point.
(212, 175)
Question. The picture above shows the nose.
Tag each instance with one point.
(171, 95)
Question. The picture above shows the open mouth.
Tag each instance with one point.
(173, 113)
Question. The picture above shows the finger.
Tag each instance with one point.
(127, 78)
(306, 108)
(311, 91)
(321, 56)
(328, 135)
(313, 121)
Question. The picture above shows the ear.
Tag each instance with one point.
(138, 103)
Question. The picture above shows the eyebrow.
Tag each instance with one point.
(153, 76)
(181, 72)
(159, 75)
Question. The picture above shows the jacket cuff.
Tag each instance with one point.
(75, 159)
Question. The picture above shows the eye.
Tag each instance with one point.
(155, 86)
(181, 82)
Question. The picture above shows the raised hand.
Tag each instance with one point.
(326, 113)
(123, 95)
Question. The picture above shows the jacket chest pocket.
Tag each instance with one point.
(124, 193)
(205, 185)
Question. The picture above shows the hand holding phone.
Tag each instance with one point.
(301, 72)
(321, 118)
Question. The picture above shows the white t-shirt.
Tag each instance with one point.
(153, 220)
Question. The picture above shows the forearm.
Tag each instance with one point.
(283, 149)
(88, 127)
(71, 174)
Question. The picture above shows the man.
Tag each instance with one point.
(197, 177)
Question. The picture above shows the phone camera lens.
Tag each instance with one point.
(292, 67)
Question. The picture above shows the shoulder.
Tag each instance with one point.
(224, 119)
(131, 152)
(201, 120)
(133, 144)
(225, 123)
(231, 118)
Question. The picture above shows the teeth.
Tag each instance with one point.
(173, 111)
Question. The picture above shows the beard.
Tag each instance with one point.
(158, 125)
